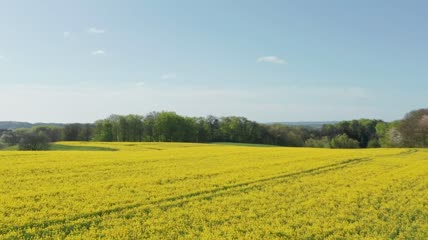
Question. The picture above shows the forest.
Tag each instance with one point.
(411, 131)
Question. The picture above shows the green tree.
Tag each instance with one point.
(10, 138)
(54, 133)
(171, 127)
(34, 141)
(323, 142)
(343, 141)
(414, 129)
(149, 127)
(103, 131)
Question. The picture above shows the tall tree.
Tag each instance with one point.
(414, 128)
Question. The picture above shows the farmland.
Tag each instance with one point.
(88, 190)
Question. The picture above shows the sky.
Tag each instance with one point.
(270, 61)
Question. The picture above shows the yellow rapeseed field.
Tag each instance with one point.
(204, 191)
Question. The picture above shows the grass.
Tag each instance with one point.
(86, 146)
(67, 147)
(10, 148)
(63, 147)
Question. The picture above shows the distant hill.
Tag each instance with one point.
(316, 125)
(15, 125)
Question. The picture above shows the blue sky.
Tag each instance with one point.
(79, 61)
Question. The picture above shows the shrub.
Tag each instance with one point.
(10, 138)
(33, 141)
(374, 143)
(343, 141)
(318, 143)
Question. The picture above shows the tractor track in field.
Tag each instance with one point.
(181, 199)
(69, 224)
(404, 153)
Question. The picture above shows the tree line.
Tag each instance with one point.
(412, 131)
(39, 137)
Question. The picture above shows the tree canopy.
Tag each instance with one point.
(412, 131)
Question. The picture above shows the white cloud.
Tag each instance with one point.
(169, 76)
(94, 30)
(139, 84)
(271, 59)
(66, 34)
(99, 52)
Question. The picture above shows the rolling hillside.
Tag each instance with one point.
(14, 125)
